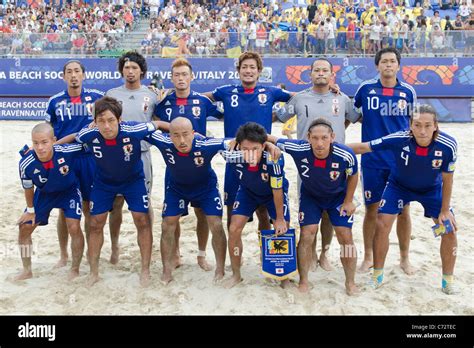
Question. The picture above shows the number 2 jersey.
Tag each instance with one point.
(418, 168)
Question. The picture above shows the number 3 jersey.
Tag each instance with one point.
(56, 175)
(384, 111)
(418, 168)
(118, 160)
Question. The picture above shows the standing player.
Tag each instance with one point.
(320, 102)
(386, 105)
(138, 103)
(424, 166)
(246, 102)
(328, 172)
(183, 102)
(68, 112)
(191, 179)
(50, 168)
(116, 148)
(262, 183)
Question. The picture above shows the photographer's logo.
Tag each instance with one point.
(37, 331)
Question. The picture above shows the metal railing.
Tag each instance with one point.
(221, 44)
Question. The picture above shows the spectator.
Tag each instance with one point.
(437, 40)
(465, 11)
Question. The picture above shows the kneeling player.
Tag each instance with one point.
(50, 168)
(328, 172)
(191, 180)
(262, 183)
(423, 172)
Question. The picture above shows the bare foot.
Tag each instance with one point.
(232, 281)
(177, 262)
(407, 267)
(352, 289)
(166, 278)
(114, 257)
(324, 263)
(203, 263)
(61, 263)
(303, 288)
(92, 279)
(145, 279)
(23, 275)
(286, 284)
(218, 276)
(73, 274)
(365, 266)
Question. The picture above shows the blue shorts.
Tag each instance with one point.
(135, 194)
(177, 204)
(84, 168)
(395, 198)
(245, 204)
(231, 185)
(311, 209)
(373, 184)
(70, 201)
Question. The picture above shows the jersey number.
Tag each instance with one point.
(373, 103)
(305, 172)
(97, 151)
(405, 158)
(234, 100)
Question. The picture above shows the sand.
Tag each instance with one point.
(192, 291)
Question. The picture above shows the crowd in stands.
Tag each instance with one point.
(75, 28)
(222, 27)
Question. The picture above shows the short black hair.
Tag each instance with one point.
(320, 122)
(323, 59)
(107, 103)
(83, 68)
(251, 131)
(133, 56)
(379, 54)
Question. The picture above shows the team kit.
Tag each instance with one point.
(93, 154)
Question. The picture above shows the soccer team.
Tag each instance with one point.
(93, 153)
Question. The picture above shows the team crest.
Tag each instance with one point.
(262, 98)
(265, 177)
(334, 174)
(335, 109)
(278, 247)
(199, 161)
(127, 149)
(196, 111)
(368, 194)
(89, 108)
(145, 107)
(437, 163)
(402, 104)
(64, 170)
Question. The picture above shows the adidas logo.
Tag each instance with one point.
(36, 171)
(235, 90)
(304, 160)
(406, 148)
(167, 102)
(131, 98)
(372, 92)
(96, 141)
(321, 101)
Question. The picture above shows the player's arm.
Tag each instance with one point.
(210, 95)
(67, 139)
(29, 214)
(161, 125)
(286, 112)
(445, 214)
(272, 138)
(360, 148)
(348, 205)
(279, 224)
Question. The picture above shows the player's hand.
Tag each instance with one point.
(280, 226)
(335, 88)
(232, 145)
(347, 208)
(26, 217)
(91, 125)
(274, 150)
(447, 215)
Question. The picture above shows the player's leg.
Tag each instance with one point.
(202, 231)
(148, 170)
(404, 237)
(231, 186)
(115, 221)
(263, 218)
(136, 196)
(327, 233)
(86, 210)
(169, 225)
(381, 241)
(26, 249)
(85, 170)
(63, 238)
(373, 182)
(77, 245)
(177, 254)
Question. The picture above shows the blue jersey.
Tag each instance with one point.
(292, 34)
(418, 168)
(259, 180)
(196, 107)
(56, 175)
(190, 173)
(321, 177)
(384, 111)
(118, 160)
(69, 114)
(233, 38)
(248, 105)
